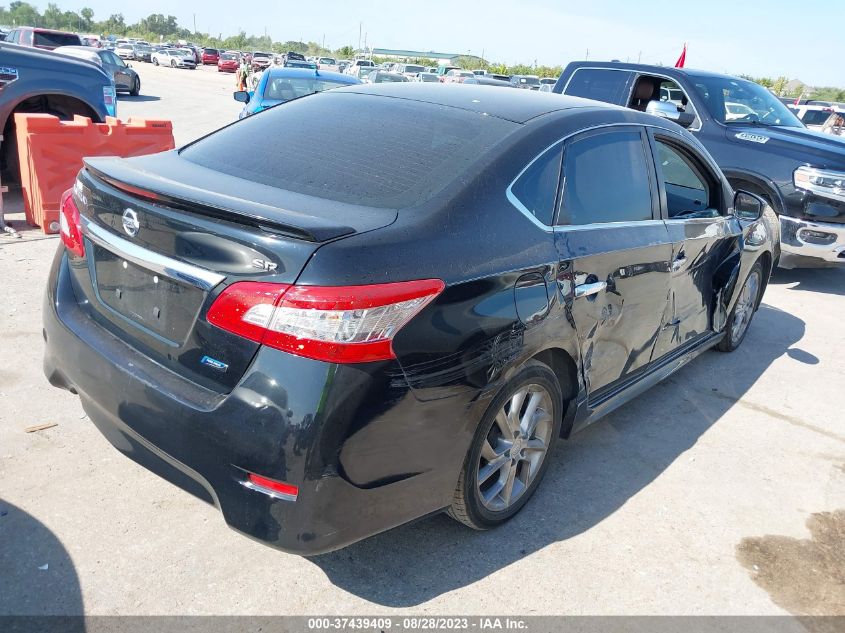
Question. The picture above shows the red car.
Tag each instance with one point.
(228, 62)
(210, 56)
(47, 39)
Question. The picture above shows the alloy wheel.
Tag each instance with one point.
(745, 306)
(515, 447)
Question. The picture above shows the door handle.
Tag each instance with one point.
(586, 290)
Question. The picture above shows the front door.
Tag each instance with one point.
(614, 253)
(703, 238)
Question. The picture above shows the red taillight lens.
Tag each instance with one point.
(265, 485)
(70, 225)
(338, 324)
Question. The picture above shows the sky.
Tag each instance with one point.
(773, 38)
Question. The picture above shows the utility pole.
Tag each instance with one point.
(639, 56)
(360, 26)
(324, 40)
(587, 56)
(195, 23)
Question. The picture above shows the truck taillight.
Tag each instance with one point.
(338, 324)
(70, 225)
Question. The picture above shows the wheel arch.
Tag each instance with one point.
(565, 369)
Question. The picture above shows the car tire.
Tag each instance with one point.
(136, 87)
(743, 311)
(173, 63)
(483, 498)
(155, 62)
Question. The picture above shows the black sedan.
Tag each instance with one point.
(328, 328)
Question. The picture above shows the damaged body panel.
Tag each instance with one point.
(531, 277)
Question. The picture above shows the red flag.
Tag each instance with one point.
(682, 58)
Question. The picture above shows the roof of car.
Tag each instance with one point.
(651, 68)
(514, 105)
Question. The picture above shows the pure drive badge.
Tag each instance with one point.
(754, 138)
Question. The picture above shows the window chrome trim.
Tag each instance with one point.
(545, 227)
(201, 278)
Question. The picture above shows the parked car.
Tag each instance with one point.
(125, 50)
(174, 57)
(456, 76)
(293, 373)
(500, 77)
(769, 152)
(295, 63)
(47, 39)
(427, 78)
(410, 70)
(328, 64)
(443, 69)
(813, 116)
(355, 67)
(479, 72)
(210, 56)
(293, 55)
(143, 52)
(228, 62)
(125, 77)
(383, 76)
(260, 60)
(28, 82)
(278, 85)
(481, 80)
(527, 82)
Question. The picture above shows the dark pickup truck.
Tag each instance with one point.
(756, 140)
(33, 80)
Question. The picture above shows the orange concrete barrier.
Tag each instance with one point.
(51, 151)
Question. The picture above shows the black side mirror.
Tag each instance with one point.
(747, 206)
(242, 96)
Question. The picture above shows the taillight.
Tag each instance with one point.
(338, 324)
(70, 225)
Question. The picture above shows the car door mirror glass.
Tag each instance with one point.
(747, 206)
(242, 96)
(668, 110)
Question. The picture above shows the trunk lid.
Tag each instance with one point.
(164, 236)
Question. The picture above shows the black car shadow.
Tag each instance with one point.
(826, 280)
(140, 98)
(37, 578)
(591, 476)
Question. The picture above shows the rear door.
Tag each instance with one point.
(614, 254)
(703, 238)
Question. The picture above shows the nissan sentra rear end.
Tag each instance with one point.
(176, 309)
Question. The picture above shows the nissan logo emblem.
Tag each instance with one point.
(130, 222)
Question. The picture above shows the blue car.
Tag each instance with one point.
(278, 85)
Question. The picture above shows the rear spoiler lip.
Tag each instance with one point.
(122, 175)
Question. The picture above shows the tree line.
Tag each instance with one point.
(158, 27)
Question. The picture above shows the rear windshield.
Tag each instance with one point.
(335, 145)
(211, 51)
(55, 39)
(414, 69)
(228, 56)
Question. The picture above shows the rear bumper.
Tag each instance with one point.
(348, 436)
(808, 243)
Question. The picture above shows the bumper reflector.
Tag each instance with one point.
(278, 489)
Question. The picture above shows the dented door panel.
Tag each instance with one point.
(618, 324)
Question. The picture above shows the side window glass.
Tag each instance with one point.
(606, 179)
(602, 85)
(687, 191)
(536, 188)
